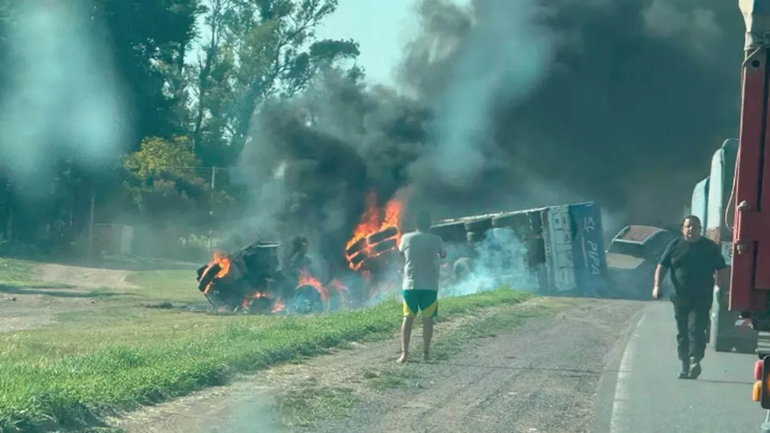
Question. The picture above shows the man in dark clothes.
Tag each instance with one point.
(693, 261)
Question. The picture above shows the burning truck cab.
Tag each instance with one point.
(253, 279)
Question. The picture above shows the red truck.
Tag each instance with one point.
(750, 276)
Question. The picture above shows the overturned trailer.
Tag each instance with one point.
(552, 249)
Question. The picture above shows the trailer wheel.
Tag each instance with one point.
(721, 344)
(745, 345)
(307, 300)
(478, 225)
(510, 220)
(474, 237)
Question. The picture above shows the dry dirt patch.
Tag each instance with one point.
(83, 277)
(57, 289)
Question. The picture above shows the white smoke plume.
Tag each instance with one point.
(498, 260)
(503, 56)
(62, 102)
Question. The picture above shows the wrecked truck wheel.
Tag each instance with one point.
(306, 300)
(384, 246)
(462, 267)
(207, 276)
(474, 237)
(356, 247)
(478, 225)
(382, 235)
(514, 220)
(358, 258)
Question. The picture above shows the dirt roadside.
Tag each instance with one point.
(541, 376)
(63, 288)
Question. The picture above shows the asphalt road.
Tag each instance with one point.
(644, 394)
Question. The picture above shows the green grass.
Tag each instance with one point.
(302, 406)
(177, 285)
(95, 363)
(18, 273)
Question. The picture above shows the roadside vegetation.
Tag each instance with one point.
(18, 273)
(96, 363)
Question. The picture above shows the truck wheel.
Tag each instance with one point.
(510, 220)
(307, 300)
(479, 225)
(722, 344)
(474, 237)
(745, 345)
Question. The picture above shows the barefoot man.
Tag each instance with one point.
(421, 251)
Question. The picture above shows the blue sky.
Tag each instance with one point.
(381, 27)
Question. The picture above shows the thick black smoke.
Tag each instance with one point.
(512, 104)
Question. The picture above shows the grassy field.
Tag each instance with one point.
(120, 355)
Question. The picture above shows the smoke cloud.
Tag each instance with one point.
(61, 102)
(499, 260)
(511, 105)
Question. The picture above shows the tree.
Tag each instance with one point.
(149, 40)
(256, 50)
(162, 175)
(211, 84)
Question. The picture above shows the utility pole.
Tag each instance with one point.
(211, 203)
(91, 223)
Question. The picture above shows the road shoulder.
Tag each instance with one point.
(511, 379)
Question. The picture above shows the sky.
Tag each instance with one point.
(381, 27)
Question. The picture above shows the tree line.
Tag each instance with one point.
(196, 71)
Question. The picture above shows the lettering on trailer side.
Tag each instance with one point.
(593, 261)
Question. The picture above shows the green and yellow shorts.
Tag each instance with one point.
(425, 301)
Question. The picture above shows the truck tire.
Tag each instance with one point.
(208, 275)
(462, 267)
(513, 220)
(358, 258)
(356, 247)
(745, 345)
(478, 225)
(384, 246)
(474, 237)
(719, 343)
(382, 235)
(307, 300)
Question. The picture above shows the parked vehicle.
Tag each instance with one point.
(727, 329)
(632, 258)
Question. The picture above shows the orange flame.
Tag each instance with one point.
(372, 223)
(305, 279)
(278, 306)
(339, 287)
(221, 259)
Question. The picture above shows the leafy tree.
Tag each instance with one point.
(257, 49)
(211, 83)
(164, 177)
(149, 40)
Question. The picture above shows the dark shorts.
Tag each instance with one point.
(425, 301)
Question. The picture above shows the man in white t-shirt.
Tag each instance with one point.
(422, 252)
